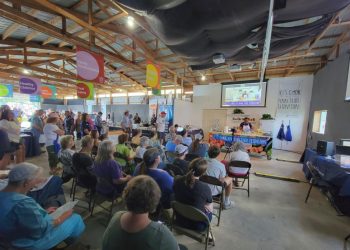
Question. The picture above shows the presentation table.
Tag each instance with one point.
(259, 145)
(334, 174)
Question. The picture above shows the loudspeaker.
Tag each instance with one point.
(325, 148)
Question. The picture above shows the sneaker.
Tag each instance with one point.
(229, 205)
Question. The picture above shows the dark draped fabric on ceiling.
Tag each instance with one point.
(196, 30)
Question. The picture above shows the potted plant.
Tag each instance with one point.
(238, 111)
(266, 117)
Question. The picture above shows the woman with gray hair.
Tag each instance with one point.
(107, 169)
(239, 152)
(24, 223)
(140, 150)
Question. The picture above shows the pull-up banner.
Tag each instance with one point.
(90, 66)
(29, 85)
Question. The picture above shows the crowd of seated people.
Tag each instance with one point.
(101, 167)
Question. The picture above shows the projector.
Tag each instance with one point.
(219, 59)
(235, 68)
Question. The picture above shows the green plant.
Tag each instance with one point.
(238, 111)
(266, 117)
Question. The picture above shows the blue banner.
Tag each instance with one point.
(245, 139)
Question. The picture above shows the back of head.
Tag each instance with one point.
(150, 157)
(86, 141)
(213, 151)
(144, 141)
(23, 172)
(238, 146)
(104, 152)
(5, 114)
(197, 139)
(197, 168)
(84, 117)
(65, 140)
(141, 195)
(52, 120)
(178, 139)
(122, 138)
(181, 150)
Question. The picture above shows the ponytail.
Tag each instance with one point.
(196, 169)
(195, 145)
(143, 169)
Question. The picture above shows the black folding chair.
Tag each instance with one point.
(244, 176)
(191, 157)
(218, 199)
(173, 170)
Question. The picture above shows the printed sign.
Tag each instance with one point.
(29, 85)
(6, 90)
(85, 90)
(90, 66)
(48, 91)
(289, 99)
(153, 77)
(34, 98)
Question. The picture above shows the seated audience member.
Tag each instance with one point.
(95, 136)
(132, 229)
(140, 150)
(187, 140)
(217, 169)
(171, 145)
(106, 168)
(239, 152)
(190, 190)
(151, 160)
(65, 155)
(137, 137)
(83, 163)
(181, 151)
(171, 135)
(9, 124)
(5, 150)
(198, 147)
(123, 151)
(52, 133)
(154, 141)
(24, 223)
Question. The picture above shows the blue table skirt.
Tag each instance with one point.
(333, 172)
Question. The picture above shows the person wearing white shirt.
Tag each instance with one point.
(13, 130)
(51, 133)
(126, 124)
(140, 150)
(217, 169)
(161, 120)
(238, 153)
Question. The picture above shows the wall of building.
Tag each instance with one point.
(328, 94)
(208, 97)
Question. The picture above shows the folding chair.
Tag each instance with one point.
(194, 214)
(218, 199)
(170, 156)
(244, 174)
(173, 170)
(103, 183)
(316, 178)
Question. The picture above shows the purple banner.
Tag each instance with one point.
(29, 85)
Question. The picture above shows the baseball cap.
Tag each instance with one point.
(23, 171)
(163, 113)
(180, 149)
(198, 137)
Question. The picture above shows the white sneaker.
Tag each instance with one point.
(229, 204)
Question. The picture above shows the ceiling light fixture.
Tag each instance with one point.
(130, 21)
(203, 78)
(25, 71)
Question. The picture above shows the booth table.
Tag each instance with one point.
(334, 174)
(28, 142)
(260, 145)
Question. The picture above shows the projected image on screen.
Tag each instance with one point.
(243, 94)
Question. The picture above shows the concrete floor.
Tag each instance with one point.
(274, 217)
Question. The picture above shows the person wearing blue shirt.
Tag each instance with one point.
(24, 223)
(187, 140)
(198, 147)
(151, 160)
(171, 145)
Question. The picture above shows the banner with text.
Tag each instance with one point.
(85, 90)
(90, 66)
(153, 77)
(29, 85)
(48, 91)
(289, 102)
(6, 90)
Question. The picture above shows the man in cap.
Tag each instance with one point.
(181, 152)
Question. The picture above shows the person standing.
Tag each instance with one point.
(85, 125)
(161, 126)
(77, 125)
(98, 122)
(246, 126)
(126, 123)
(68, 123)
(137, 119)
(37, 126)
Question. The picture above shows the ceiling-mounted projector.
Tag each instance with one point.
(219, 59)
(235, 67)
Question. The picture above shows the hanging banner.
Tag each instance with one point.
(90, 66)
(48, 91)
(289, 102)
(153, 77)
(6, 90)
(29, 85)
(35, 98)
(85, 90)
